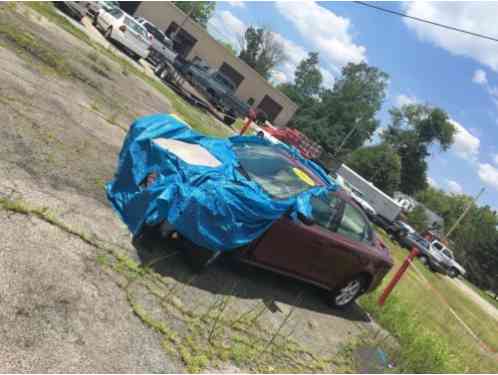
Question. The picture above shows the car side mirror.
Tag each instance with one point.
(306, 220)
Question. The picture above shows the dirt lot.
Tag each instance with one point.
(74, 296)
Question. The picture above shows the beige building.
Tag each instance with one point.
(193, 41)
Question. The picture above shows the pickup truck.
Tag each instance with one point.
(161, 47)
(434, 255)
(219, 90)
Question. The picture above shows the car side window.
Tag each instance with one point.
(353, 225)
(325, 210)
(116, 13)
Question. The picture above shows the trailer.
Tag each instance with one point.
(387, 208)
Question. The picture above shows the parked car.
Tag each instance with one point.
(434, 255)
(161, 47)
(334, 248)
(399, 229)
(219, 90)
(451, 267)
(93, 7)
(123, 29)
(76, 9)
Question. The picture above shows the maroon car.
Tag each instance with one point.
(336, 249)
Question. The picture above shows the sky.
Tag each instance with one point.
(426, 64)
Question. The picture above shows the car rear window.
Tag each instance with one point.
(135, 26)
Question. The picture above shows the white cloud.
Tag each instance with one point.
(402, 100)
(278, 77)
(465, 144)
(225, 26)
(478, 17)
(432, 182)
(238, 4)
(295, 54)
(480, 77)
(488, 174)
(454, 187)
(324, 31)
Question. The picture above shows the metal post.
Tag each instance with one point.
(397, 276)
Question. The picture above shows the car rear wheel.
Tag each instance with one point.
(344, 296)
(423, 259)
(108, 33)
(95, 20)
(453, 273)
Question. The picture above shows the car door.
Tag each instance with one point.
(136, 37)
(291, 246)
(347, 246)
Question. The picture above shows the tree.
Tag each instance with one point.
(417, 218)
(379, 164)
(200, 11)
(307, 83)
(412, 130)
(475, 241)
(307, 77)
(352, 104)
(261, 50)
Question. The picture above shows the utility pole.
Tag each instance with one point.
(464, 213)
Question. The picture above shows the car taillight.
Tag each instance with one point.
(122, 28)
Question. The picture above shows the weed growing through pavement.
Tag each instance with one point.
(206, 338)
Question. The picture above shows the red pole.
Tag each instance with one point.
(398, 275)
(251, 116)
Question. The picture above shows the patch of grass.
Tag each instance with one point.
(47, 9)
(27, 44)
(431, 338)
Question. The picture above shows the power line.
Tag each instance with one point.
(426, 21)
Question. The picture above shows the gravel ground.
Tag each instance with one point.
(60, 309)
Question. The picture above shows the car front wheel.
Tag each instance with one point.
(453, 273)
(345, 295)
(423, 259)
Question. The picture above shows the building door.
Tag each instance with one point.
(270, 107)
(183, 42)
(232, 74)
(129, 6)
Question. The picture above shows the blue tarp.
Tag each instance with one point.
(216, 208)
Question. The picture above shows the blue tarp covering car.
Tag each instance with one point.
(216, 205)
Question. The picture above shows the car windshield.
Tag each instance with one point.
(109, 4)
(448, 253)
(274, 170)
(422, 241)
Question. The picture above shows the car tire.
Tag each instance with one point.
(423, 259)
(108, 33)
(229, 120)
(344, 296)
(453, 273)
(95, 20)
